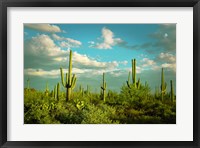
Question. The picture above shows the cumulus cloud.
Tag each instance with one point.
(84, 61)
(167, 57)
(55, 73)
(167, 60)
(147, 62)
(169, 66)
(43, 54)
(42, 73)
(164, 60)
(43, 45)
(67, 42)
(107, 40)
(43, 27)
(138, 69)
(56, 37)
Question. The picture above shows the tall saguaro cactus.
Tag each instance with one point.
(103, 87)
(58, 91)
(135, 84)
(134, 72)
(163, 84)
(70, 82)
(172, 91)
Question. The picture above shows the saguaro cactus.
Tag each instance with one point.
(103, 87)
(135, 84)
(58, 91)
(70, 82)
(134, 72)
(163, 84)
(172, 91)
(55, 91)
(46, 89)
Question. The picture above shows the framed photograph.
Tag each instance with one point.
(99, 74)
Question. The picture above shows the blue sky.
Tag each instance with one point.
(99, 48)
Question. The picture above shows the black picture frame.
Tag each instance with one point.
(4, 4)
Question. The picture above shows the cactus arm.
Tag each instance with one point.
(138, 83)
(62, 77)
(73, 83)
(128, 82)
(73, 79)
(103, 87)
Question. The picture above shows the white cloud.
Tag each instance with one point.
(147, 62)
(85, 61)
(91, 42)
(138, 69)
(43, 45)
(56, 37)
(60, 59)
(41, 51)
(169, 66)
(123, 62)
(108, 40)
(55, 73)
(167, 61)
(167, 57)
(43, 27)
(42, 73)
(67, 42)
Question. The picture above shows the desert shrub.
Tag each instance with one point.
(133, 95)
(98, 115)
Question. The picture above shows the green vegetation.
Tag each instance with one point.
(134, 104)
